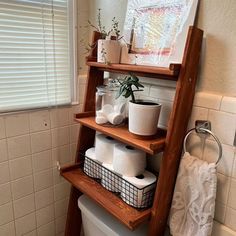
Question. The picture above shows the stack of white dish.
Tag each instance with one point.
(122, 170)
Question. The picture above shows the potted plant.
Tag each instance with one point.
(143, 115)
(108, 47)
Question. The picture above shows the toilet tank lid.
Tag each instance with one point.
(105, 221)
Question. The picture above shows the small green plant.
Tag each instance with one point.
(113, 31)
(129, 85)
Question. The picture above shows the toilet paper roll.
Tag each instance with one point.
(104, 147)
(110, 180)
(101, 120)
(128, 161)
(136, 190)
(115, 118)
(91, 167)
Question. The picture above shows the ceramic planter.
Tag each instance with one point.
(143, 117)
(108, 51)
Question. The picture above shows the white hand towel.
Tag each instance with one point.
(193, 203)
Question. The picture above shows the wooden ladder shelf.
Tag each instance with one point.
(169, 142)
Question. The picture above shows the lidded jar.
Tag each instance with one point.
(109, 108)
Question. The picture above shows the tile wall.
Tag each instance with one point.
(33, 197)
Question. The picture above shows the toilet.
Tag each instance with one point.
(98, 222)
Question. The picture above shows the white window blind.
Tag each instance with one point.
(35, 54)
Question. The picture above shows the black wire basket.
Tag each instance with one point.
(129, 193)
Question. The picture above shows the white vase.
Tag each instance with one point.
(108, 51)
(143, 117)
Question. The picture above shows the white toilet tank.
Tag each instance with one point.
(98, 222)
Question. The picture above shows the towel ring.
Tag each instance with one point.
(201, 130)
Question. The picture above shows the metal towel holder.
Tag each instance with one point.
(204, 131)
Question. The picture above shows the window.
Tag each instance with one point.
(37, 62)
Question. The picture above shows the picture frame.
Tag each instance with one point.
(156, 31)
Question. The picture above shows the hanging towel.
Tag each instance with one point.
(193, 203)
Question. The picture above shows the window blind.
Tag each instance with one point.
(35, 55)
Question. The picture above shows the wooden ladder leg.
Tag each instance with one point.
(74, 221)
(181, 111)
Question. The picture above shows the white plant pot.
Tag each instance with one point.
(108, 51)
(143, 117)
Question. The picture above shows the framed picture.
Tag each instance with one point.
(157, 30)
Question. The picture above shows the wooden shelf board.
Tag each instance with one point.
(151, 146)
(112, 203)
(170, 73)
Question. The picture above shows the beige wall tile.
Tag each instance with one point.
(6, 213)
(3, 150)
(223, 125)
(221, 230)
(42, 160)
(47, 230)
(24, 206)
(44, 198)
(20, 167)
(234, 168)
(211, 154)
(22, 187)
(61, 191)
(17, 124)
(5, 193)
(208, 100)
(25, 224)
(32, 233)
(223, 184)
(8, 229)
(73, 110)
(165, 113)
(61, 154)
(230, 218)
(228, 104)
(2, 128)
(4, 172)
(61, 207)
(45, 215)
(220, 210)
(73, 151)
(43, 179)
(60, 137)
(232, 194)
(19, 146)
(59, 117)
(162, 93)
(57, 178)
(60, 224)
(39, 121)
(74, 133)
(41, 141)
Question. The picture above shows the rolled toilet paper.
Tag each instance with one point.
(107, 109)
(136, 191)
(128, 161)
(115, 118)
(101, 120)
(104, 147)
(91, 167)
(110, 180)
